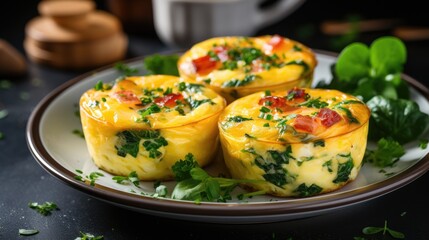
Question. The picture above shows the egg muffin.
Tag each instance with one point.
(296, 143)
(147, 123)
(237, 66)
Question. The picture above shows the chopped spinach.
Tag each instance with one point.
(129, 140)
(304, 191)
(344, 169)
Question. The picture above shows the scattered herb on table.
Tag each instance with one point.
(28, 232)
(194, 183)
(1, 135)
(45, 208)
(3, 113)
(5, 84)
(161, 64)
(383, 230)
(88, 236)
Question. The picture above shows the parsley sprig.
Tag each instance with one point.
(195, 184)
(45, 208)
(92, 177)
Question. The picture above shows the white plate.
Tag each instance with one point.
(61, 153)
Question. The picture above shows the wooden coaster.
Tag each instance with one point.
(71, 34)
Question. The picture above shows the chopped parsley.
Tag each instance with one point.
(131, 178)
(92, 177)
(238, 119)
(195, 184)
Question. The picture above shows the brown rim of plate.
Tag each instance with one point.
(288, 206)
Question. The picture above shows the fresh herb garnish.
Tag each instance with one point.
(383, 230)
(240, 82)
(423, 143)
(78, 133)
(131, 178)
(125, 69)
(195, 184)
(3, 113)
(386, 154)
(92, 177)
(5, 84)
(161, 64)
(397, 119)
(45, 208)
(88, 236)
(28, 232)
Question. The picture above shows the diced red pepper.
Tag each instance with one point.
(328, 117)
(297, 94)
(204, 64)
(275, 102)
(304, 123)
(169, 100)
(127, 97)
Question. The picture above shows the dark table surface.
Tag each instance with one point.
(23, 180)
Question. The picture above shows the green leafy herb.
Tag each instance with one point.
(45, 208)
(398, 119)
(314, 103)
(125, 69)
(132, 178)
(1, 135)
(3, 113)
(91, 178)
(383, 230)
(161, 64)
(238, 83)
(88, 236)
(5, 84)
(387, 153)
(78, 133)
(194, 183)
(100, 86)
(28, 232)
(423, 143)
(369, 71)
(238, 119)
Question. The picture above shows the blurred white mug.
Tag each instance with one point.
(182, 23)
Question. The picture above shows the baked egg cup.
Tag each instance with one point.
(236, 66)
(297, 143)
(147, 123)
